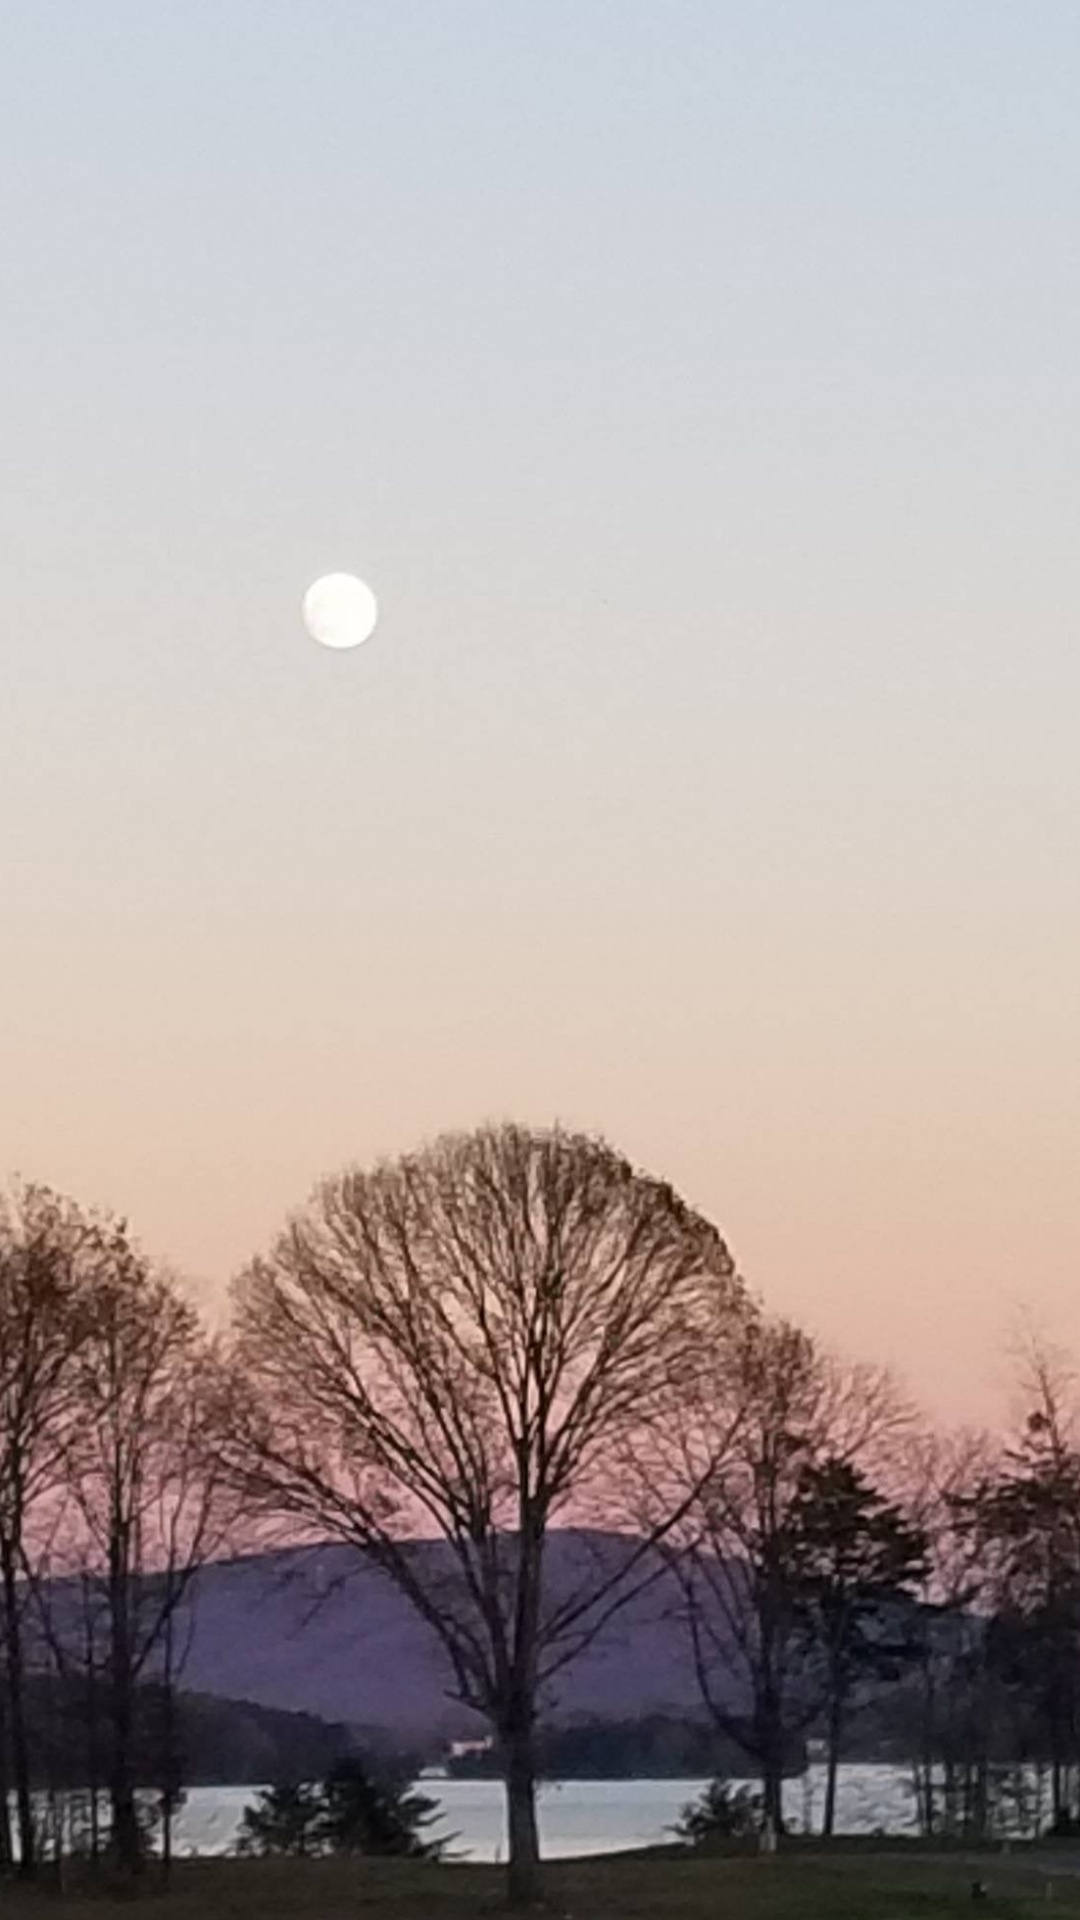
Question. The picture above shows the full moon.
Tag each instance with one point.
(340, 611)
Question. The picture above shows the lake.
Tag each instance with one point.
(584, 1816)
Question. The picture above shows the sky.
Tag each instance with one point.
(697, 386)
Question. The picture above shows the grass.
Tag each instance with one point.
(843, 1885)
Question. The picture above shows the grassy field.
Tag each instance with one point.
(856, 1885)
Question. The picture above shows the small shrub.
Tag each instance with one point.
(722, 1812)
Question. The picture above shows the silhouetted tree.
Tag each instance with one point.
(145, 1492)
(721, 1812)
(470, 1341)
(946, 1711)
(364, 1810)
(286, 1818)
(1023, 1525)
(858, 1561)
(740, 1556)
(357, 1809)
(47, 1247)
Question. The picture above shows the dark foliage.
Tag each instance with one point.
(375, 1812)
(227, 1742)
(722, 1812)
(358, 1808)
(284, 1819)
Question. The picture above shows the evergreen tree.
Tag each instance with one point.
(354, 1810)
(721, 1812)
(375, 1813)
(284, 1819)
(859, 1562)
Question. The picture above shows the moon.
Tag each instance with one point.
(340, 611)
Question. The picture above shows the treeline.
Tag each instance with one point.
(506, 1332)
(655, 1746)
(214, 1741)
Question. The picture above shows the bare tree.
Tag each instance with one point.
(950, 1698)
(739, 1550)
(465, 1343)
(1022, 1526)
(46, 1246)
(145, 1492)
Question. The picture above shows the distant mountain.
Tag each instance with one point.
(318, 1630)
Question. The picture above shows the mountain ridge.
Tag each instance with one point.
(317, 1629)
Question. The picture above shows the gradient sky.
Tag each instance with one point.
(698, 384)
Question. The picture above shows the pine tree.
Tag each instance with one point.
(859, 1562)
(284, 1819)
(356, 1809)
(363, 1811)
(721, 1812)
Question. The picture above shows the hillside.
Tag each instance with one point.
(216, 1740)
(317, 1630)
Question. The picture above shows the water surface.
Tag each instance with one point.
(585, 1816)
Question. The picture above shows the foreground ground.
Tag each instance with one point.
(856, 1885)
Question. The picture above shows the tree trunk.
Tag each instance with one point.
(773, 1794)
(170, 1766)
(91, 1721)
(16, 1692)
(6, 1851)
(981, 1798)
(772, 1755)
(523, 1832)
(126, 1836)
(929, 1734)
(922, 1787)
(93, 1769)
(949, 1794)
(836, 1722)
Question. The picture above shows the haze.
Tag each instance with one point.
(697, 387)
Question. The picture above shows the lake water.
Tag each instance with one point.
(584, 1816)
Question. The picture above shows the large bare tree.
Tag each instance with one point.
(469, 1343)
